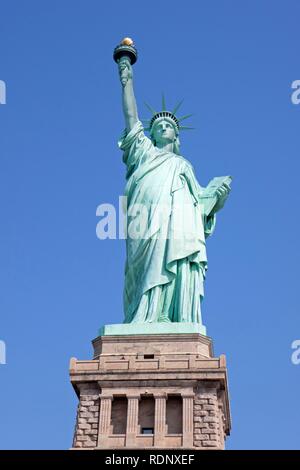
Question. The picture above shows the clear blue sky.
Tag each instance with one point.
(233, 61)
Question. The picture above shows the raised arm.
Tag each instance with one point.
(129, 102)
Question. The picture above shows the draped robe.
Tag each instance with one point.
(166, 261)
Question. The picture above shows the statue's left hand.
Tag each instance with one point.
(222, 194)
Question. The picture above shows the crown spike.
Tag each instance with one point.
(150, 108)
(184, 117)
(163, 101)
(186, 128)
(165, 114)
(177, 107)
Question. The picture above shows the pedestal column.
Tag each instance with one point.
(104, 420)
(187, 419)
(160, 420)
(132, 420)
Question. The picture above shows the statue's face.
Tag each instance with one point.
(164, 132)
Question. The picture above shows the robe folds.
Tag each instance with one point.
(166, 232)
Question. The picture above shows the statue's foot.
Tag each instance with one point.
(164, 319)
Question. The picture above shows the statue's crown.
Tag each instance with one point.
(164, 113)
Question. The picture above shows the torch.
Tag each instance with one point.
(126, 48)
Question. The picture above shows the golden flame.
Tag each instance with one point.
(127, 42)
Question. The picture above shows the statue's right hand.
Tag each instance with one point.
(125, 70)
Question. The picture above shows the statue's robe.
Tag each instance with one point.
(166, 261)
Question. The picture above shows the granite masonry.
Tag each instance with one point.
(151, 391)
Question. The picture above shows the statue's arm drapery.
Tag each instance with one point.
(209, 224)
(137, 147)
(209, 220)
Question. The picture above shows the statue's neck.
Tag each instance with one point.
(166, 147)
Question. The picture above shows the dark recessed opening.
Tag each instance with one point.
(146, 414)
(147, 430)
(148, 356)
(174, 414)
(119, 415)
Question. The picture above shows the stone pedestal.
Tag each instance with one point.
(161, 391)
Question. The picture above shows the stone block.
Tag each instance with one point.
(198, 407)
(84, 426)
(92, 420)
(86, 415)
(82, 420)
(82, 438)
(91, 432)
(209, 407)
(200, 401)
(201, 437)
(203, 426)
(210, 443)
(89, 397)
(210, 419)
(208, 396)
(198, 419)
(89, 444)
(93, 408)
(202, 413)
(198, 443)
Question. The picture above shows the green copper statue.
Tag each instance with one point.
(166, 266)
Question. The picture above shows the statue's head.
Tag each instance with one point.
(164, 131)
(164, 126)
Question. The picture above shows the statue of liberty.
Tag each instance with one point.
(165, 268)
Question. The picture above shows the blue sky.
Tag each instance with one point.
(233, 61)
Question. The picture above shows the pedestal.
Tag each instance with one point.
(160, 391)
